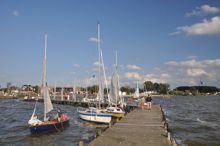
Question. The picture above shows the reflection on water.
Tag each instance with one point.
(194, 121)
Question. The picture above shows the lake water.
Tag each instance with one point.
(194, 121)
(14, 130)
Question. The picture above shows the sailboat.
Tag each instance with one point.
(47, 124)
(97, 114)
(74, 93)
(62, 93)
(115, 99)
(54, 93)
(137, 95)
(86, 98)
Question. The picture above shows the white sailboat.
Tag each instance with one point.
(54, 93)
(96, 114)
(62, 93)
(35, 124)
(74, 92)
(86, 98)
(136, 95)
(115, 99)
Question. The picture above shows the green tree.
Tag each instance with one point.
(194, 91)
(36, 89)
(148, 85)
(127, 89)
(163, 88)
(93, 89)
(157, 87)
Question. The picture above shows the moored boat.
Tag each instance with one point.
(115, 99)
(95, 115)
(49, 126)
(116, 112)
(60, 120)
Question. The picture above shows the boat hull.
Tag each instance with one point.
(57, 126)
(118, 115)
(95, 117)
(116, 112)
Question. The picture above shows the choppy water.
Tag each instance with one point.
(14, 131)
(194, 121)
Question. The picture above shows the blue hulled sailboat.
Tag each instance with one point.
(59, 122)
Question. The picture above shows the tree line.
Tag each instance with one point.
(158, 88)
(198, 89)
(161, 88)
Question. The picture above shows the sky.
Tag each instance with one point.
(174, 42)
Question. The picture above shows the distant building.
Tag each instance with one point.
(67, 90)
(150, 92)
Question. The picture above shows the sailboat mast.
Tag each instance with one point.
(44, 75)
(116, 58)
(74, 90)
(116, 67)
(54, 96)
(87, 95)
(62, 93)
(99, 51)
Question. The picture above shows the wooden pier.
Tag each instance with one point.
(79, 103)
(137, 128)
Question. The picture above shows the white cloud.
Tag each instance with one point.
(189, 72)
(133, 67)
(206, 27)
(187, 63)
(176, 73)
(195, 72)
(15, 13)
(93, 39)
(203, 10)
(194, 63)
(209, 9)
(132, 76)
(215, 62)
(96, 63)
(157, 78)
(76, 65)
(96, 67)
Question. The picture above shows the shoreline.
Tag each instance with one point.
(9, 97)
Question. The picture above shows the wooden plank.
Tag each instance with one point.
(138, 128)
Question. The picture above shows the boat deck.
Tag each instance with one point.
(138, 128)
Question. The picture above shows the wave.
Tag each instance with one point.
(205, 123)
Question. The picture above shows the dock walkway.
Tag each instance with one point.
(138, 128)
